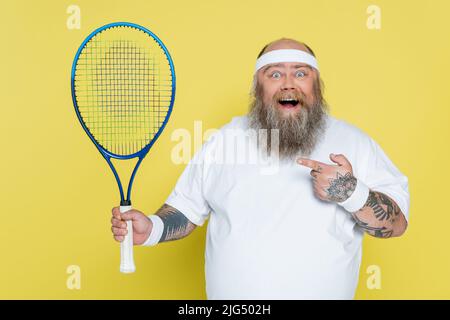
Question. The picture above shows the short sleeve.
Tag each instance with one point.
(383, 176)
(188, 194)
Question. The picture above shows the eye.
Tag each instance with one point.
(276, 75)
(300, 74)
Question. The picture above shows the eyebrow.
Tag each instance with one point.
(282, 65)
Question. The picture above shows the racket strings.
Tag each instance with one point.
(123, 90)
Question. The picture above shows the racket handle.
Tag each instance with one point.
(126, 247)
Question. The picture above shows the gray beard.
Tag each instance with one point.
(298, 135)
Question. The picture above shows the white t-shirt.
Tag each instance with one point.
(268, 236)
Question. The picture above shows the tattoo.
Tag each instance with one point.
(377, 202)
(176, 225)
(379, 232)
(383, 213)
(342, 187)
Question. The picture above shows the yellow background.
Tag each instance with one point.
(57, 190)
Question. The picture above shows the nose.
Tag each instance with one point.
(288, 83)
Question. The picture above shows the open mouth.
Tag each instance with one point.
(288, 103)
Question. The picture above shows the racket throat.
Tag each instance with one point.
(125, 203)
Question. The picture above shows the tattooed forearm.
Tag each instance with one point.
(342, 187)
(380, 216)
(383, 207)
(176, 225)
(379, 232)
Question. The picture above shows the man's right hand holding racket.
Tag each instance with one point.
(173, 225)
(142, 225)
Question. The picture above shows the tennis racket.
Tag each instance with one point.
(123, 90)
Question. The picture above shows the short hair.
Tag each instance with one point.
(265, 47)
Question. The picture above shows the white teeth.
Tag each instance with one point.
(288, 100)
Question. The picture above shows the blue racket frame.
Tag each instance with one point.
(143, 152)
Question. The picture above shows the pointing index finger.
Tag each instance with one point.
(313, 164)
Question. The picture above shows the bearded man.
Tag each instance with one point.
(293, 233)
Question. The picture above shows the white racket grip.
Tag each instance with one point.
(126, 247)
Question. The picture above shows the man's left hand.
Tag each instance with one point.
(334, 183)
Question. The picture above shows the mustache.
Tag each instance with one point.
(289, 95)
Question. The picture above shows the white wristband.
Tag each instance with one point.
(157, 231)
(358, 198)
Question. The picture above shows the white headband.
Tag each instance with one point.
(286, 55)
